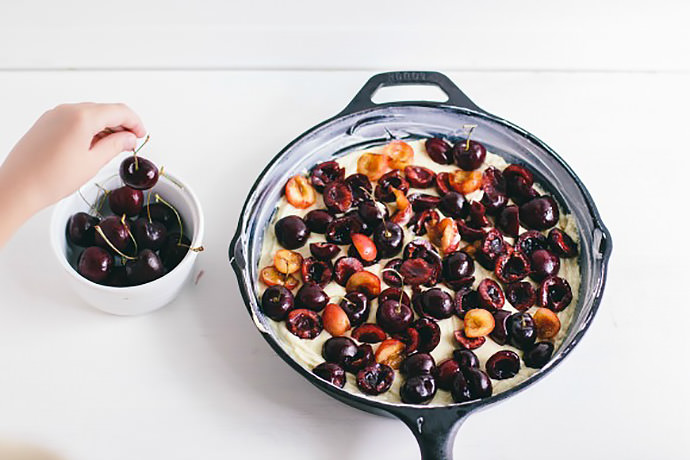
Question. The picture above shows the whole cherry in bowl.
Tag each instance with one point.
(128, 240)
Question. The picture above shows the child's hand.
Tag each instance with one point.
(62, 151)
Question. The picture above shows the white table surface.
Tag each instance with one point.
(196, 380)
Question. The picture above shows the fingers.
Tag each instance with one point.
(107, 147)
(115, 117)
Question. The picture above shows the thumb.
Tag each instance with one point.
(111, 145)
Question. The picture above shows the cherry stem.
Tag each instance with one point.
(129, 232)
(177, 214)
(112, 246)
(469, 129)
(134, 154)
(371, 195)
(162, 173)
(402, 281)
(148, 206)
(92, 207)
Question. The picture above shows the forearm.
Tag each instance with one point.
(16, 204)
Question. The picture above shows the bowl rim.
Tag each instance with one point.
(103, 175)
(404, 410)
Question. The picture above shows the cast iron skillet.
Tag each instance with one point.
(362, 123)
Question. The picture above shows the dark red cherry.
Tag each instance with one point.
(324, 251)
(95, 264)
(161, 213)
(418, 223)
(429, 334)
(174, 250)
(478, 382)
(394, 293)
(305, 324)
(439, 150)
(369, 333)
(117, 277)
(419, 389)
(443, 183)
(493, 177)
(420, 177)
(373, 212)
(492, 247)
(316, 271)
(493, 200)
(453, 204)
(469, 343)
(540, 213)
(344, 268)
(138, 173)
(151, 235)
(416, 271)
(410, 337)
(522, 331)
(277, 302)
(146, 268)
(437, 303)
(469, 233)
(537, 356)
(331, 373)
(116, 231)
(363, 358)
(465, 300)
(325, 173)
(530, 241)
(543, 263)
(561, 244)
(291, 232)
(389, 181)
(339, 350)
(521, 295)
(394, 316)
(375, 379)
(512, 267)
(465, 358)
(311, 296)
(554, 293)
(508, 220)
(490, 294)
(522, 193)
(500, 332)
(469, 158)
(445, 374)
(317, 220)
(80, 229)
(422, 201)
(337, 196)
(459, 388)
(477, 215)
(458, 270)
(361, 188)
(503, 364)
(126, 200)
(389, 276)
(512, 173)
(418, 364)
(340, 230)
(388, 239)
(356, 306)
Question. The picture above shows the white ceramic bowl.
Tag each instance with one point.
(134, 300)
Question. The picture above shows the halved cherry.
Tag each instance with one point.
(423, 202)
(450, 235)
(299, 192)
(443, 183)
(335, 320)
(369, 333)
(469, 343)
(477, 215)
(465, 182)
(272, 277)
(316, 271)
(375, 379)
(470, 233)
(363, 358)
(365, 282)
(419, 176)
(337, 196)
(372, 165)
(517, 174)
(399, 153)
(404, 212)
(410, 337)
(490, 294)
(326, 172)
(418, 223)
(365, 246)
(508, 220)
(429, 334)
(286, 261)
(389, 181)
(512, 267)
(547, 323)
(391, 352)
(521, 295)
(305, 324)
(554, 293)
(478, 323)
(561, 243)
(416, 271)
(344, 268)
(389, 275)
(324, 251)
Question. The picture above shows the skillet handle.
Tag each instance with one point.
(435, 433)
(362, 99)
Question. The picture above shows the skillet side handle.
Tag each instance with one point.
(435, 433)
(362, 99)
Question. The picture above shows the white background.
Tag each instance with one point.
(222, 87)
